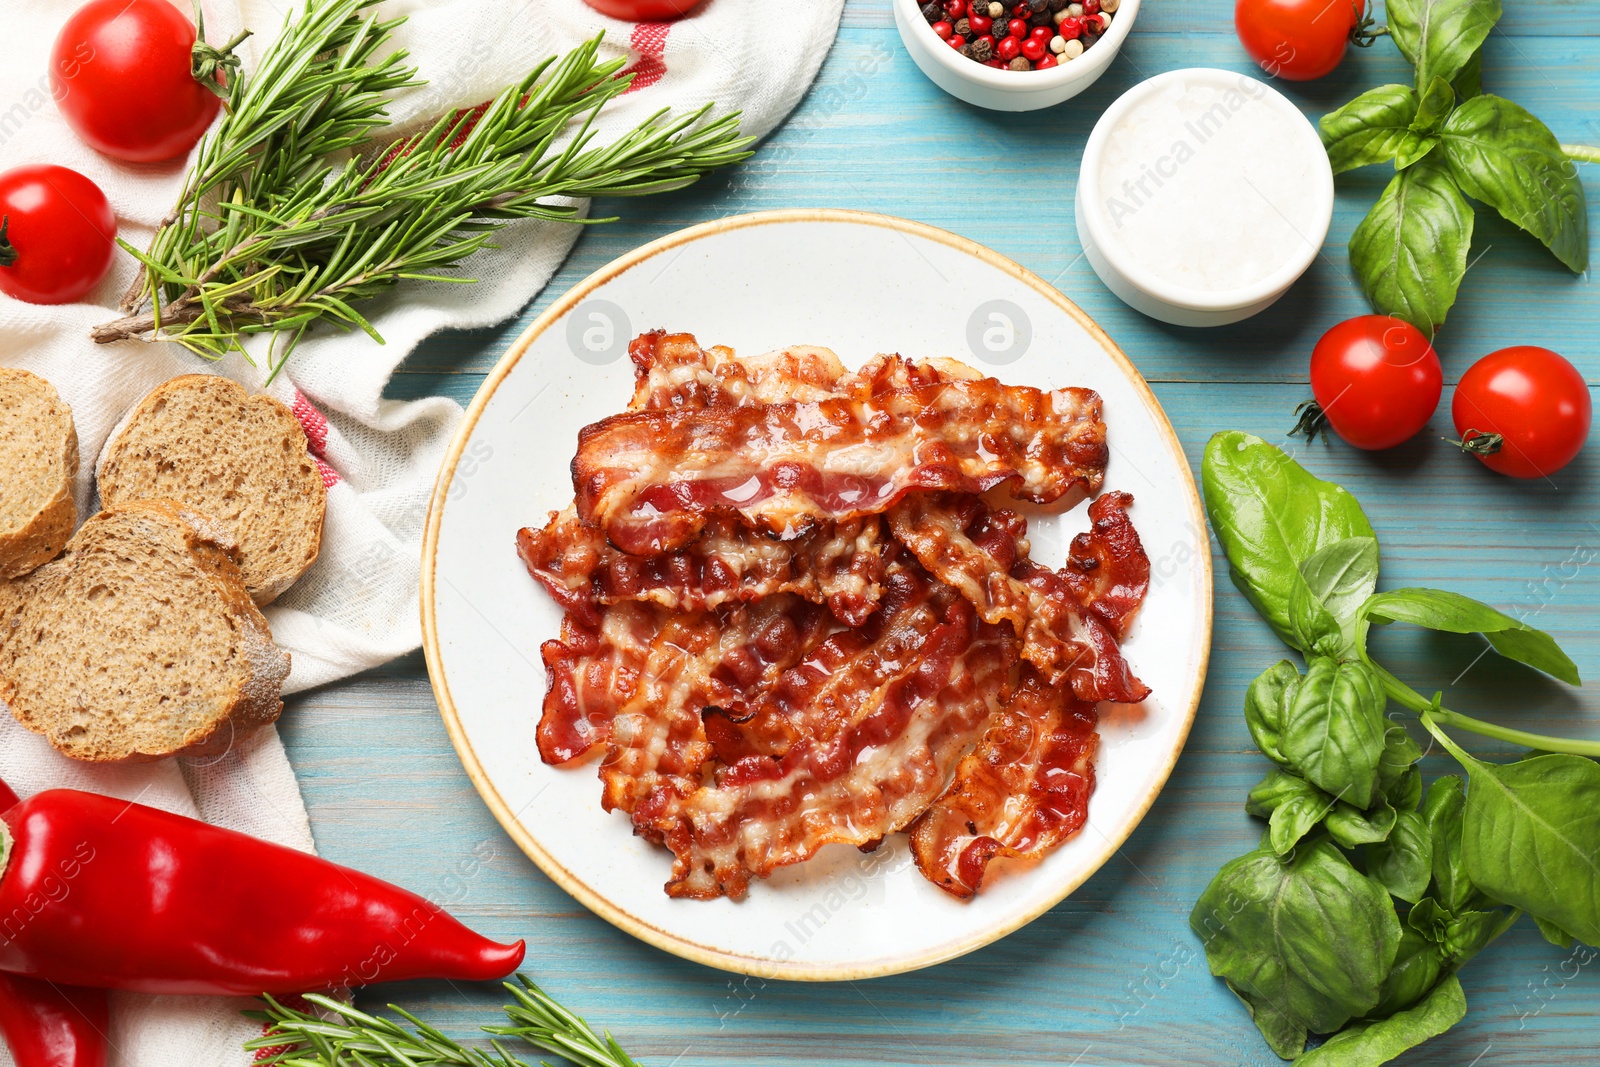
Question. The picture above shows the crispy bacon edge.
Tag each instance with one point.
(871, 778)
(1023, 791)
(984, 554)
(841, 565)
(651, 479)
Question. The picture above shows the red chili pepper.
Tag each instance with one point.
(101, 892)
(51, 1026)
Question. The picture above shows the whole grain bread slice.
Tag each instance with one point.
(38, 461)
(241, 459)
(139, 642)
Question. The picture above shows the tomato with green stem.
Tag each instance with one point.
(1523, 411)
(57, 234)
(135, 79)
(1300, 40)
(1376, 380)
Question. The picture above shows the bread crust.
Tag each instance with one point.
(254, 700)
(120, 462)
(42, 537)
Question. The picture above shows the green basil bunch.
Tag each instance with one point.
(1448, 140)
(1367, 893)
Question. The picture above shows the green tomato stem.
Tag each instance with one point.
(1581, 152)
(1404, 695)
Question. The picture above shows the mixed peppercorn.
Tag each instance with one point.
(1021, 34)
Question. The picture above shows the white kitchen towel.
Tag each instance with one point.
(357, 607)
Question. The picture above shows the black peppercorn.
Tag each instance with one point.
(963, 28)
(1041, 19)
(1021, 64)
(933, 12)
(965, 50)
(1037, 6)
(982, 50)
(1059, 5)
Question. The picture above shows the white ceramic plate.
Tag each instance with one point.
(859, 284)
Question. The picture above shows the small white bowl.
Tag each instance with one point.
(1008, 90)
(1191, 222)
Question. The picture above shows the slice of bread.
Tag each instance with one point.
(38, 461)
(240, 459)
(140, 641)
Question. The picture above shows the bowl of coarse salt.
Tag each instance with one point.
(1203, 196)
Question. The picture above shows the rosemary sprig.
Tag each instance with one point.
(356, 1039)
(273, 233)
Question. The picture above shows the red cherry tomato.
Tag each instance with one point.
(1376, 379)
(1296, 39)
(1523, 411)
(60, 233)
(122, 73)
(643, 10)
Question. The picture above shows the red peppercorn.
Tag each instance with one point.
(1091, 7)
(1069, 28)
(955, 8)
(943, 29)
(1017, 28)
(1008, 49)
(1043, 33)
(1045, 62)
(957, 42)
(1021, 11)
(980, 24)
(996, 64)
(1033, 48)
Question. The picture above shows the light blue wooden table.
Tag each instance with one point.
(1112, 975)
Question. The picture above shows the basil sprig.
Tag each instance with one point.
(1448, 140)
(1366, 895)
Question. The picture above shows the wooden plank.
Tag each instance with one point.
(1112, 975)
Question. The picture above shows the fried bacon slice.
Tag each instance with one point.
(1023, 791)
(652, 479)
(672, 371)
(872, 776)
(984, 554)
(840, 565)
(591, 671)
(822, 693)
(657, 740)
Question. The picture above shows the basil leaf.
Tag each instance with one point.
(1270, 516)
(1342, 577)
(1469, 82)
(1411, 250)
(1307, 938)
(1374, 1043)
(1440, 36)
(1396, 767)
(1350, 826)
(1334, 731)
(1266, 706)
(1501, 154)
(1530, 837)
(1430, 919)
(1433, 106)
(1441, 811)
(1403, 861)
(1414, 147)
(1438, 609)
(1406, 794)
(1467, 933)
(1285, 1037)
(1369, 129)
(1311, 624)
(1416, 968)
(1553, 933)
(1292, 806)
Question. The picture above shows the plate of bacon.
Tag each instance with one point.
(862, 569)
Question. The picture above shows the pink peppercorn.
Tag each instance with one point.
(1033, 49)
(1008, 48)
(1070, 27)
(944, 30)
(980, 24)
(1017, 28)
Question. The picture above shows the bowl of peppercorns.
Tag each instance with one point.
(1014, 55)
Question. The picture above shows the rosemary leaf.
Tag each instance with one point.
(301, 205)
(301, 1039)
